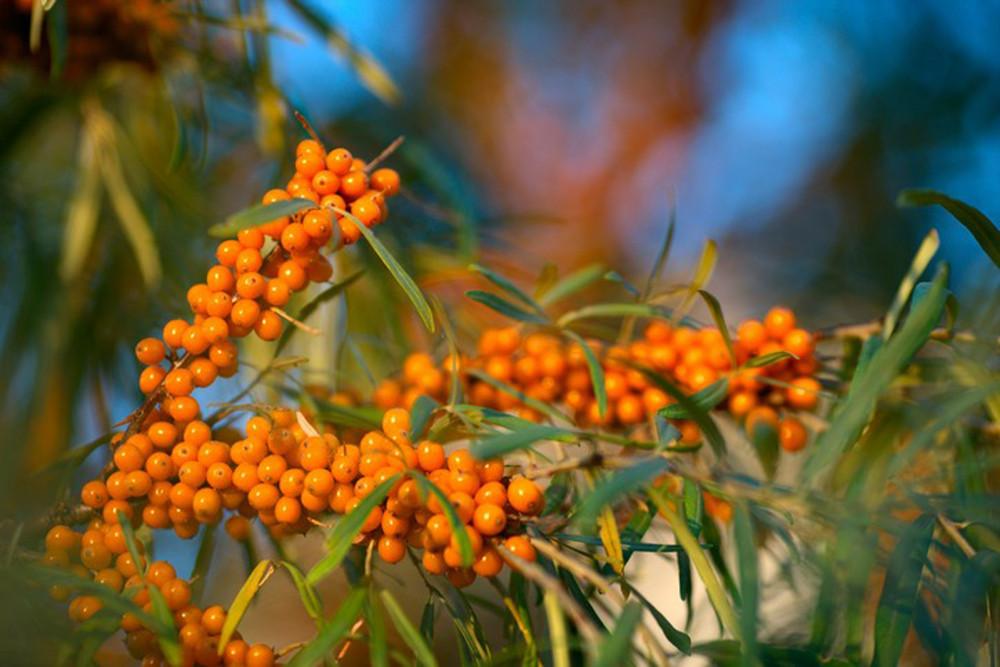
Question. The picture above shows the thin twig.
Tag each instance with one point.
(308, 128)
(549, 583)
(956, 535)
(301, 325)
(386, 152)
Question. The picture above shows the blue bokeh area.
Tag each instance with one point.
(797, 121)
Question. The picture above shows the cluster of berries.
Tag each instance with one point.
(101, 554)
(289, 480)
(543, 367)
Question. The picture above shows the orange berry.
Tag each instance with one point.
(339, 161)
(353, 184)
(779, 322)
(386, 180)
(792, 435)
(150, 379)
(762, 416)
(493, 493)
(263, 496)
(150, 351)
(525, 496)
(804, 393)
(245, 313)
(288, 510)
(207, 505)
(430, 456)
(251, 285)
(229, 250)
(268, 325)
(521, 547)
(488, 563)
(489, 519)
(249, 261)
(293, 275)
(179, 382)
(799, 342)
(309, 164)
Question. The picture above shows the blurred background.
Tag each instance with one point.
(537, 133)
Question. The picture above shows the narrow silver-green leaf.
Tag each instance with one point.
(242, 602)
(615, 485)
(570, 285)
(457, 527)
(333, 632)
(257, 215)
(505, 307)
(984, 231)
(342, 536)
(596, 373)
(704, 400)
(616, 649)
(504, 443)
(507, 286)
(926, 252)
(421, 651)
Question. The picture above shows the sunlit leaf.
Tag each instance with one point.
(348, 527)
(617, 648)
(569, 285)
(746, 550)
(715, 308)
(310, 599)
(242, 601)
(427, 488)
(925, 254)
(507, 286)
(498, 445)
(614, 486)
(505, 307)
(257, 215)
(332, 632)
(706, 399)
(596, 373)
(421, 651)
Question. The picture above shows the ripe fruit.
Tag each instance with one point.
(525, 496)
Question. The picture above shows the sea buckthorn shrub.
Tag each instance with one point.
(541, 462)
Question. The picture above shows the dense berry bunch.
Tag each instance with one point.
(101, 554)
(543, 367)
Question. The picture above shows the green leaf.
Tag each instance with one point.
(534, 403)
(362, 417)
(310, 599)
(421, 651)
(427, 619)
(378, 647)
(423, 408)
(331, 633)
(257, 215)
(716, 594)
(982, 228)
(679, 639)
(899, 592)
(747, 562)
(457, 527)
(342, 536)
(720, 322)
(617, 648)
(242, 602)
(611, 310)
(702, 274)
(570, 285)
(690, 407)
(704, 400)
(873, 378)
(768, 359)
(968, 608)
(507, 286)
(615, 277)
(694, 506)
(557, 630)
(924, 255)
(82, 212)
(131, 543)
(397, 271)
(596, 373)
(505, 307)
(611, 539)
(520, 438)
(614, 486)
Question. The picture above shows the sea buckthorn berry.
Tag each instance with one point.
(150, 379)
(751, 335)
(325, 182)
(203, 372)
(319, 482)
(159, 466)
(215, 329)
(251, 285)
(742, 402)
(60, 538)
(779, 322)
(176, 593)
(521, 547)
(260, 655)
(804, 393)
(391, 549)
(252, 237)
(434, 563)
(194, 340)
(207, 505)
(173, 333)
(464, 505)
(220, 304)
(525, 496)
(223, 354)
(220, 279)
(366, 210)
(293, 482)
(248, 261)
(339, 161)
(309, 164)
(228, 251)
(799, 342)
(138, 483)
(353, 184)
(162, 434)
(150, 351)
(128, 458)
(268, 325)
(179, 382)
(245, 312)
(345, 469)
(396, 422)
(308, 146)
(488, 563)
(438, 530)
(489, 519)
(493, 493)
(277, 293)
(263, 496)
(198, 296)
(293, 275)
(466, 482)
(294, 238)
(386, 180)
(792, 435)
(288, 510)
(95, 556)
(238, 528)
